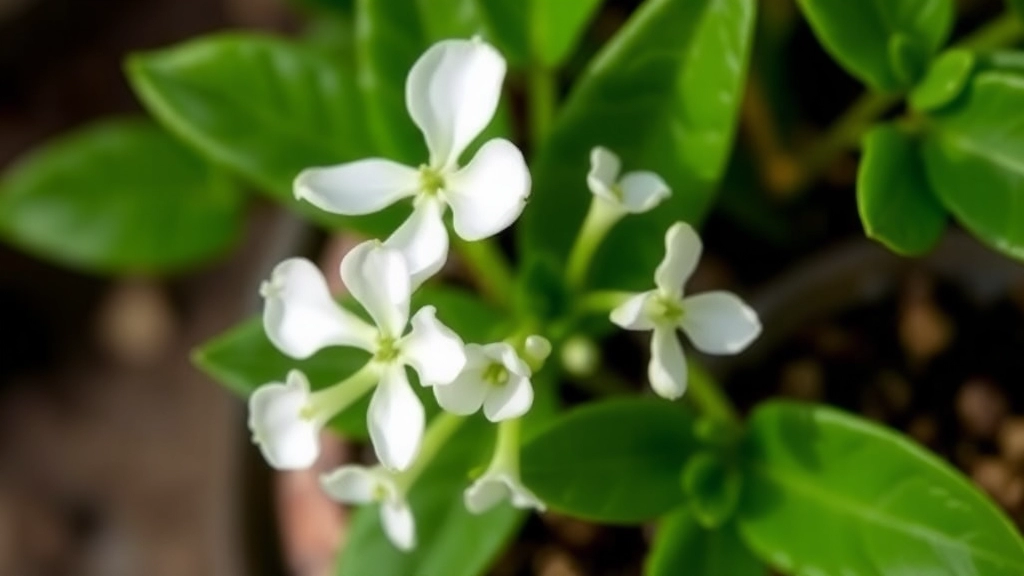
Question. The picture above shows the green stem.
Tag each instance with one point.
(327, 402)
(541, 96)
(599, 220)
(709, 398)
(506, 449)
(440, 431)
(847, 131)
(490, 269)
(600, 302)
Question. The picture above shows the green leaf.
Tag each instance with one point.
(1017, 6)
(538, 31)
(826, 492)
(264, 107)
(664, 95)
(974, 157)
(895, 201)
(451, 540)
(945, 80)
(712, 486)
(682, 546)
(907, 58)
(243, 358)
(617, 461)
(860, 35)
(121, 196)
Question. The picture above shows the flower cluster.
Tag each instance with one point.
(452, 93)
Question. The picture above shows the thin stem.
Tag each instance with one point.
(327, 402)
(490, 268)
(600, 302)
(440, 431)
(542, 95)
(599, 220)
(506, 449)
(709, 398)
(847, 131)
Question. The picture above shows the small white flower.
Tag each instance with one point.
(498, 484)
(452, 93)
(377, 277)
(280, 425)
(634, 192)
(361, 485)
(494, 377)
(716, 322)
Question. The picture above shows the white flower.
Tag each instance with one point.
(452, 93)
(494, 377)
(634, 192)
(496, 485)
(360, 485)
(280, 425)
(300, 318)
(716, 322)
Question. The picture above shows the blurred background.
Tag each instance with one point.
(118, 458)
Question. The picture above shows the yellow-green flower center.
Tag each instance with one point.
(665, 308)
(431, 181)
(387, 350)
(496, 374)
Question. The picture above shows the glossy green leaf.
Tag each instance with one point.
(826, 492)
(598, 462)
(908, 59)
(663, 94)
(974, 157)
(681, 546)
(450, 540)
(264, 107)
(121, 196)
(944, 81)
(538, 31)
(243, 358)
(859, 35)
(712, 487)
(896, 204)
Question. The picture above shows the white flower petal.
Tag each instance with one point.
(667, 369)
(288, 441)
(510, 400)
(396, 419)
(399, 524)
(452, 93)
(682, 252)
(464, 395)
(642, 191)
(300, 317)
(354, 484)
(604, 171)
(435, 352)
(719, 322)
(493, 487)
(360, 187)
(378, 279)
(490, 192)
(632, 314)
(422, 240)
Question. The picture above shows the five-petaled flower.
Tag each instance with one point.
(452, 93)
(716, 322)
(300, 318)
(360, 485)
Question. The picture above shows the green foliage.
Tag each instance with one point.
(682, 546)
(617, 461)
(974, 157)
(712, 486)
(243, 358)
(264, 107)
(829, 493)
(663, 94)
(884, 44)
(895, 201)
(119, 197)
(537, 32)
(451, 540)
(944, 81)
